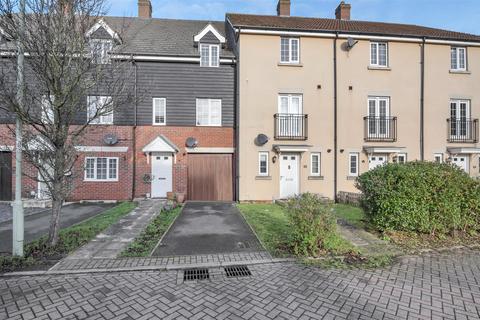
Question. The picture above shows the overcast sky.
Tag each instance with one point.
(458, 15)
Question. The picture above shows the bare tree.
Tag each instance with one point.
(63, 66)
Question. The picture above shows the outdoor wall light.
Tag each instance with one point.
(274, 159)
(319, 86)
(342, 150)
(329, 150)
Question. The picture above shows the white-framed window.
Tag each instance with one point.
(159, 111)
(100, 110)
(48, 114)
(290, 120)
(379, 54)
(263, 163)
(101, 169)
(99, 49)
(438, 157)
(458, 58)
(315, 164)
(289, 50)
(209, 55)
(209, 112)
(460, 120)
(401, 158)
(353, 164)
(378, 117)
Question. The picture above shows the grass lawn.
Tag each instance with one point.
(146, 242)
(271, 224)
(38, 252)
(353, 215)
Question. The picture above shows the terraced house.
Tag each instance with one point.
(324, 100)
(177, 136)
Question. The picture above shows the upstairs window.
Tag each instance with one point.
(379, 54)
(99, 110)
(209, 112)
(209, 55)
(48, 114)
(458, 58)
(290, 50)
(100, 49)
(159, 111)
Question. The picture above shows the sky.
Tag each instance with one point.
(457, 15)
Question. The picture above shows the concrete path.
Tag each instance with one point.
(208, 228)
(37, 225)
(433, 286)
(111, 242)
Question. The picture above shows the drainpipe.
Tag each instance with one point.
(335, 102)
(236, 125)
(134, 131)
(422, 102)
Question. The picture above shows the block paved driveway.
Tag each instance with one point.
(208, 228)
(435, 286)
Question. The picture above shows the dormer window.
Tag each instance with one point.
(209, 55)
(100, 49)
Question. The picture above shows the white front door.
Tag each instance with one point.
(376, 160)
(289, 180)
(161, 175)
(461, 161)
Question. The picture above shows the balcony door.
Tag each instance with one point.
(378, 115)
(460, 119)
(290, 118)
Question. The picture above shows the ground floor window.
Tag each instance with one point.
(438, 157)
(353, 164)
(402, 158)
(101, 169)
(315, 164)
(263, 163)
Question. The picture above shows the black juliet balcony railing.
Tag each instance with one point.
(383, 129)
(291, 126)
(462, 130)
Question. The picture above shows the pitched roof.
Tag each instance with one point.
(162, 36)
(345, 26)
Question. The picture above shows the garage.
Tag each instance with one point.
(5, 176)
(210, 177)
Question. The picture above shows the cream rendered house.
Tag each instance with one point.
(321, 101)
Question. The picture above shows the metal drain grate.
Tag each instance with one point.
(237, 271)
(196, 274)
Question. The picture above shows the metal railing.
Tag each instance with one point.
(462, 130)
(291, 126)
(380, 129)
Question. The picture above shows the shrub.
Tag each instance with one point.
(422, 197)
(312, 222)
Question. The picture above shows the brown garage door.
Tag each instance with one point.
(5, 176)
(210, 177)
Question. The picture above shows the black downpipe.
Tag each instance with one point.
(134, 132)
(335, 146)
(422, 103)
(237, 119)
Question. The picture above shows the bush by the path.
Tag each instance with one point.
(422, 197)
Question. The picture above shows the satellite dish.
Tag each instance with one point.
(191, 142)
(261, 139)
(110, 139)
(351, 43)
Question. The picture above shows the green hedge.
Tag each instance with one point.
(423, 197)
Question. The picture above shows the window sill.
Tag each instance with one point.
(101, 124)
(263, 178)
(352, 177)
(459, 71)
(379, 68)
(159, 124)
(316, 178)
(286, 64)
(93, 180)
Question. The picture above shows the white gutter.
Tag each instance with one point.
(167, 58)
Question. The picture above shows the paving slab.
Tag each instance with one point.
(208, 228)
(37, 225)
(111, 242)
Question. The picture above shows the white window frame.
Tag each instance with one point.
(438, 156)
(290, 51)
(108, 179)
(99, 49)
(400, 155)
(319, 173)
(213, 61)
(210, 103)
(458, 52)
(377, 117)
(460, 121)
(48, 114)
(357, 167)
(154, 112)
(376, 55)
(260, 154)
(102, 119)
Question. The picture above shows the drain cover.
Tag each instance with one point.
(237, 271)
(196, 274)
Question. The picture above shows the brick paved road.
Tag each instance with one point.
(435, 286)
